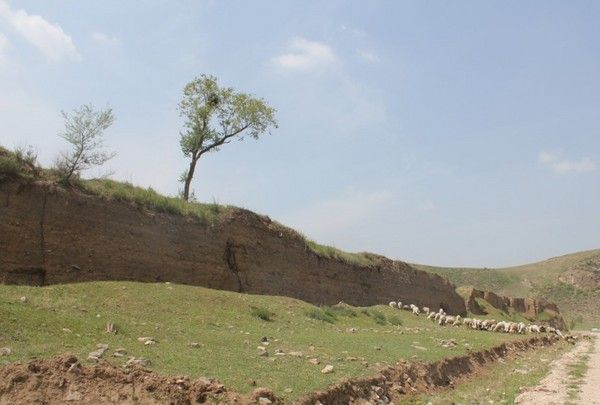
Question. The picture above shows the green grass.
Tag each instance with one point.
(526, 370)
(358, 259)
(262, 313)
(72, 318)
(149, 198)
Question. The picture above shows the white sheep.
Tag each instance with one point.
(399, 304)
(521, 328)
(500, 326)
(406, 307)
(426, 310)
(393, 304)
(533, 329)
(457, 321)
(415, 309)
(431, 315)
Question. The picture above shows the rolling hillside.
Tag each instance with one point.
(572, 281)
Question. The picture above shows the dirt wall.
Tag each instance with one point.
(530, 308)
(52, 235)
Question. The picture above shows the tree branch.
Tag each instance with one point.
(222, 140)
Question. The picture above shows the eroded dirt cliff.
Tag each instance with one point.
(51, 235)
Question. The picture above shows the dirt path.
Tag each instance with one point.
(590, 391)
(553, 388)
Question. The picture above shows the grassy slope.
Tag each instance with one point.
(224, 323)
(534, 280)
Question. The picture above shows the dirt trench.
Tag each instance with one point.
(64, 379)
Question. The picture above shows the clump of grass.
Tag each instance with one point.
(262, 313)
(148, 197)
(379, 317)
(394, 320)
(330, 252)
(342, 310)
(325, 314)
(22, 163)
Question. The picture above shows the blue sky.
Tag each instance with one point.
(462, 133)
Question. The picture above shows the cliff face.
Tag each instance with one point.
(528, 307)
(50, 235)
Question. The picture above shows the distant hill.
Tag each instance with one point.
(572, 281)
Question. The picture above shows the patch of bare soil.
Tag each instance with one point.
(411, 378)
(65, 380)
(590, 391)
(553, 389)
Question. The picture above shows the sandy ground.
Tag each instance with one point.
(553, 388)
(590, 391)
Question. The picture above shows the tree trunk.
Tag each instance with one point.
(188, 179)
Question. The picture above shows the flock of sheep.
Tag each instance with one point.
(478, 324)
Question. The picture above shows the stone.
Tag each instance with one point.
(5, 351)
(328, 369)
(23, 299)
(288, 390)
(315, 361)
(97, 354)
(67, 330)
(137, 361)
(150, 342)
(195, 345)
(296, 354)
(264, 339)
(120, 352)
(264, 401)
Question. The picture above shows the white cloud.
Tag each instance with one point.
(368, 56)
(306, 55)
(48, 38)
(105, 39)
(563, 166)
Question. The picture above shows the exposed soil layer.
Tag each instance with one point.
(412, 378)
(51, 235)
(65, 379)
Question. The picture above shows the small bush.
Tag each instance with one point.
(322, 314)
(262, 313)
(379, 317)
(394, 320)
(10, 166)
(342, 310)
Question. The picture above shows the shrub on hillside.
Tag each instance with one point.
(262, 313)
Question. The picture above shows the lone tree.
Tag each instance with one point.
(216, 115)
(84, 130)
